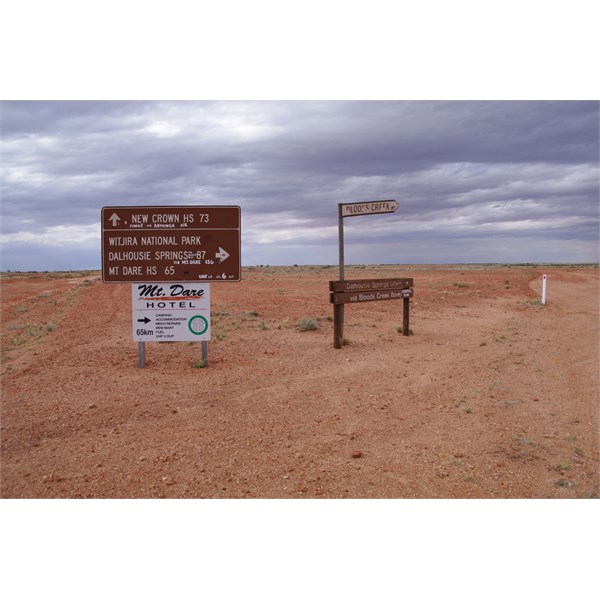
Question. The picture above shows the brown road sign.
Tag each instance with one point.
(352, 297)
(370, 290)
(362, 285)
(171, 243)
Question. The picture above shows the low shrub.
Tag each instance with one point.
(308, 325)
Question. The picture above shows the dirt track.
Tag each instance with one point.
(494, 396)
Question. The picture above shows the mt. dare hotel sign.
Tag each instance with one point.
(170, 243)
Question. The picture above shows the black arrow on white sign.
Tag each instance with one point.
(144, 320)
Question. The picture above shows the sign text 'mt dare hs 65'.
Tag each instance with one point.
(170, 243)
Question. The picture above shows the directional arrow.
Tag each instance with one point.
(144, 320)
(114, 218)
(222, 255)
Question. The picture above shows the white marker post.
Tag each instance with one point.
(544, 289)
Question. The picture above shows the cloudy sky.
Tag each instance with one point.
(491, 181)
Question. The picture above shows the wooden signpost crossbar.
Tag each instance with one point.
(365, 285)
(375, 295)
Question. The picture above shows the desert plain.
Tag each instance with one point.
(493, 395)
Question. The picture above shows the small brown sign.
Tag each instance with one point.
(368, 285)
(370, 290)
(171, 243)
(350, 298)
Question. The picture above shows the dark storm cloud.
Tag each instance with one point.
(375, 138)
(460, 170)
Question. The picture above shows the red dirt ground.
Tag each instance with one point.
(493, 396)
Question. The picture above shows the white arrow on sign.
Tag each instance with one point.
(357, 209)
(222, 255)
(115, 219)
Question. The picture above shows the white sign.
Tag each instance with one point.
(170, 312)
(357, 209)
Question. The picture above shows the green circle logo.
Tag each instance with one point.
(198, 325)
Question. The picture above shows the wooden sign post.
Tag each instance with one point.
(353, 209)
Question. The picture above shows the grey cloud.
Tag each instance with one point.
(371, 138)
(53, 118)
(491, 165)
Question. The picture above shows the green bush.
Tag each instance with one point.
(308, 325)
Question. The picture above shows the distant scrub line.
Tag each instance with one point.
(95, 272)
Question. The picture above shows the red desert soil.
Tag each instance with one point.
(493, 396)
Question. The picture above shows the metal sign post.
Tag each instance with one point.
(338, 309)
(341, 240)
(353, 209)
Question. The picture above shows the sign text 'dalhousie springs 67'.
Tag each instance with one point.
(170, 243)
